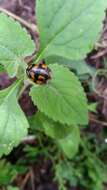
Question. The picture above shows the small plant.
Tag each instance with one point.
(68, 31)
(7, 174)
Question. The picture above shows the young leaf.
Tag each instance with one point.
(7, 173)
(65, 171)
(53, 129)
(13, 123)
(15, 44)
(63, 98)
(70, 143)
(69, 28)
(92, 107)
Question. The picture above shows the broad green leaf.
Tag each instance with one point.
(13, 123)
(35, 123)
(15, 44)
(53, 129)
(79, 66)
(69, 28)
(70, 143)
(63, 98)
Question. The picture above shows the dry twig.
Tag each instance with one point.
(32, 27)
(27, 176)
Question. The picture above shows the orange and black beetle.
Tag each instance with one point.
(39, 73)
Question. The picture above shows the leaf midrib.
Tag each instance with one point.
(61, 30)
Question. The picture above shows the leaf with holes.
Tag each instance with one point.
(63, 98)
(15, 44)
(69, 28)
(13, 123)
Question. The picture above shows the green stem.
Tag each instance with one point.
(22, 90)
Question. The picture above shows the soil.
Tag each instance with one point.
(42, 172)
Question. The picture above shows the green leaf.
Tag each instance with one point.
(7, 173)
(70, 143)
(80, 66)
(2, 68)
(53, 129)
(12, 188)
(96, 172)
(15, 44)
(63, 98)
(65, 171)
(13, 123)
(92, 107)
(69, 28)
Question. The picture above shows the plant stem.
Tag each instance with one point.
(98, 122)
(23, 89)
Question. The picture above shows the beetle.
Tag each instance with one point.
(39, 73)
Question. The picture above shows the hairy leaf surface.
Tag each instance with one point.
(15, 44)
(13, 123)
(63, 98)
